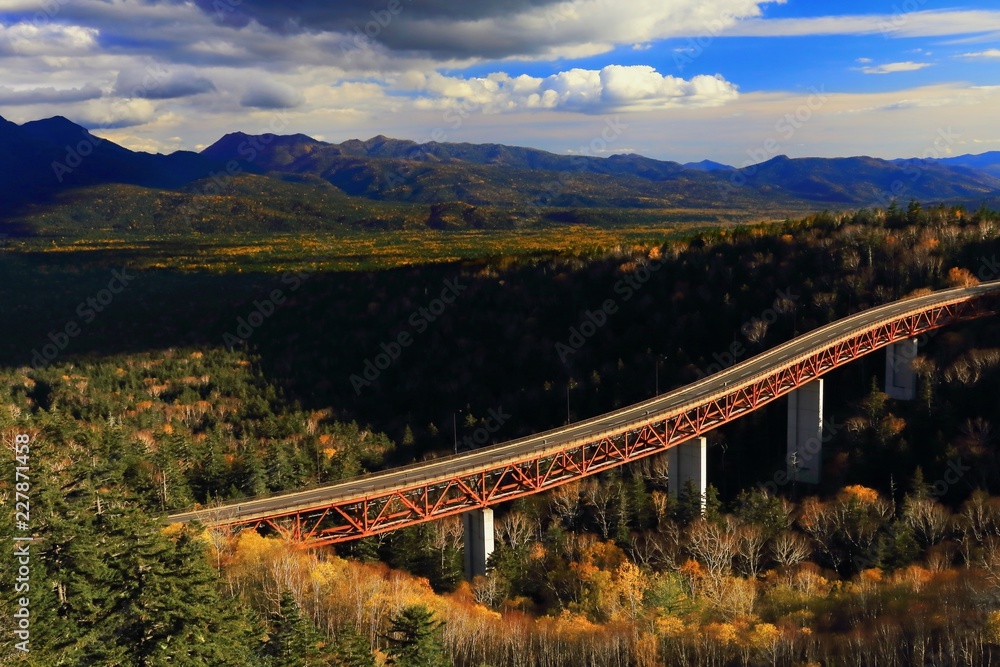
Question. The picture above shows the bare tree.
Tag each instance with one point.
(490, 590)
(928, 519)
(789, 548)
(648, 549)
(515, 528)
(819, 521)
(713, 545)
(755, 330)
(656, 471)
(750, 548)
(604, 501)
(564, 503)
(445, 533)
(660, 502)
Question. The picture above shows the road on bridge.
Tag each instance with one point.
(559, 439)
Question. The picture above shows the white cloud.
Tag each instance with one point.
(114, 114)
(988, 53)
(864, 60)
(615, 87)
(891, 68)
(26, 39)
(900, 24)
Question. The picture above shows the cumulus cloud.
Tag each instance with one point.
(28, 39)
(613, 88)
(272, 95)
(155, 83)
(891, 68)
(49, 95)
(115, 114)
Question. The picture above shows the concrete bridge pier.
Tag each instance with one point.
(900, 380)
(686, 462)
(805, 433)
(478, 538)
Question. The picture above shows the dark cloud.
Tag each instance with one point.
(11, 97)
(323, 15)
(272, 96)
(422, 26)
(152, 85)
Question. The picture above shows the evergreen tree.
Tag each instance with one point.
(691, 504)
(128, 594)
(759, 508)
(352, 650)
(294, 640)
(415, 639)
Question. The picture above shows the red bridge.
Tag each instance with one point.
(429, 490)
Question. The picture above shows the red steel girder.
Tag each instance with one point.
(416, 502)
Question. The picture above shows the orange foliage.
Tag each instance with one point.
(958, 277)
(872, 575)
(862, 494)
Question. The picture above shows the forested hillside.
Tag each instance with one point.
(893, 559)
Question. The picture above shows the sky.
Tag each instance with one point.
(736, 81)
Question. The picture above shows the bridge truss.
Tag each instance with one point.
(418, 500)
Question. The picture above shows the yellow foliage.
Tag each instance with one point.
(645, 650)
(722, 633)
(991, 632)
(670, 626)
(764, 636)
(173, 529)
(917, 577)
(862, 494)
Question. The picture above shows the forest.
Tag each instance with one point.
(894, 559)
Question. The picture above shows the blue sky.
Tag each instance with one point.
(682, 79)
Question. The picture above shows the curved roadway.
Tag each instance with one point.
(612, 423)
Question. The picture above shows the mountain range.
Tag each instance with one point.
(52, 164)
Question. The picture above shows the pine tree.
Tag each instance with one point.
(352, 650)
(128, 594)
(415, 639)
(918, 487)
(691, 504)
(294, 640)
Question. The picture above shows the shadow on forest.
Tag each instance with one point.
(494, 348)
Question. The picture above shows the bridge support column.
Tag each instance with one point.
(805, 432)
(900, 380)
(688, 462)
(478, 537)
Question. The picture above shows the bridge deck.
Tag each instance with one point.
(427, 490)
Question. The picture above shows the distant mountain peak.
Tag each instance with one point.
(708, 165)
